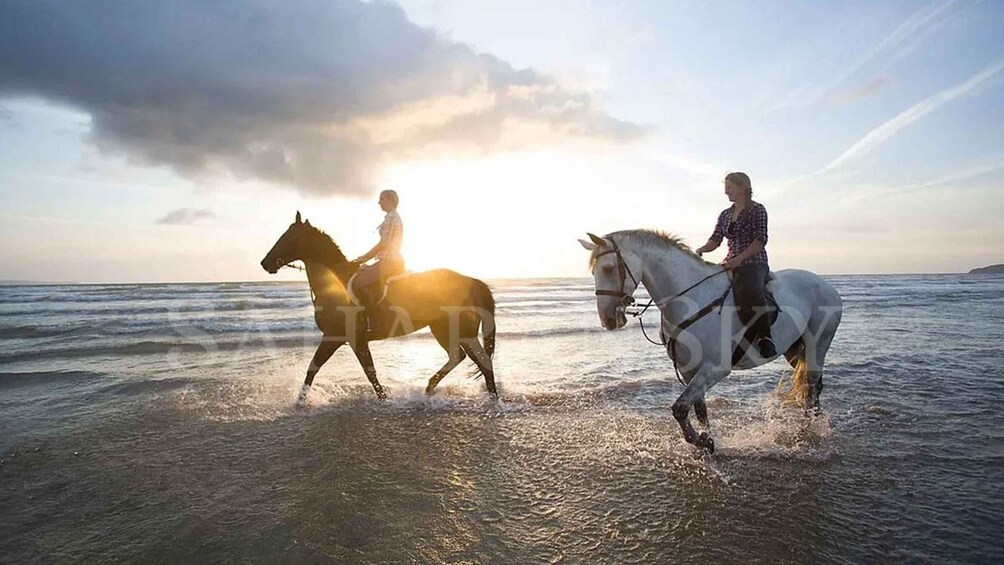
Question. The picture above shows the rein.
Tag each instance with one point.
(671, 344)
(313, 298)
(627, 300)
(679, 294)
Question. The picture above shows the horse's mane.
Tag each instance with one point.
(648, 238)
(333, 252)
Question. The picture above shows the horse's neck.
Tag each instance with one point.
(328, 271)
(670, 272)
(324, 282)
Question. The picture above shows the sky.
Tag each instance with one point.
(175, 141)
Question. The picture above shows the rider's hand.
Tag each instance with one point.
(729, 264)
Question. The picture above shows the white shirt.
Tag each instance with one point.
(391, 235)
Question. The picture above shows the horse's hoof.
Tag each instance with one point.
(301, 399)
(705, 441)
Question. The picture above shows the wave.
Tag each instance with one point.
(160, 347)
(140, 387)
(31, 378)
(152, 328)
(194, 339)
(75, 296)
(551, 332)
(28, 332)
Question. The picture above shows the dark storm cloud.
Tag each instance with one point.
(315, 94)
(184, 217)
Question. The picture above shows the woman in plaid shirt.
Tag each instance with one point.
(744, 225)
(388, 255)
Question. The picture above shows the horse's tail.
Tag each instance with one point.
(798, 392)
(485, 300)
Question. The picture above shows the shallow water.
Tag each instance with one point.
(156, 423)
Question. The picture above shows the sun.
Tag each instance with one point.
(469, 215)
(513, 215)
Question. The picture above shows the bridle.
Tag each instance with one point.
(627, 300)
(623, 272)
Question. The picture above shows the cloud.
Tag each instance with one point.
(967, 177)
(871, 88)
(314, 94)
(882, 133)
(7, 120)
(184, 217)
(906, 37)
(909, 32)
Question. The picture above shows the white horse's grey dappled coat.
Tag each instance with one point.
(810, 313)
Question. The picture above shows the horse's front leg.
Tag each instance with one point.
(693, 395)
(324, 352)
(362, 351)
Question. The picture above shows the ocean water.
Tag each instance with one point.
(155, 423)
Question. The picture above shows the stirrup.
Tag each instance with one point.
(766, 347)
(374, 323)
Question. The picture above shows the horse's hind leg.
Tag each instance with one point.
(815, 357)
(442, 334)
(484, 363)
(362, 351)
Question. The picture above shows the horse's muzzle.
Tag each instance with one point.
(616, 321)
(271, 266)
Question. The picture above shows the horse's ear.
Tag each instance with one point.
(588, 245)
(298, 216)
(599, 241)
(306, 222)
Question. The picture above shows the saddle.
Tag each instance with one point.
(353, 291)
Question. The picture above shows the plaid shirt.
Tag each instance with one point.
(391, 235)
(751, 225)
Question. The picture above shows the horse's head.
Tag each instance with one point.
(617, 273)
(288, 248)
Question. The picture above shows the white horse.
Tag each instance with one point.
(700, 323)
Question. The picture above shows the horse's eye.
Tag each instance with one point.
(607, 270)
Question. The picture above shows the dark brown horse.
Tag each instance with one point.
(451, 304)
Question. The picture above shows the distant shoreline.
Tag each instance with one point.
(490, 280)
(988, 270)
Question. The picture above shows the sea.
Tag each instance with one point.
(156, 423)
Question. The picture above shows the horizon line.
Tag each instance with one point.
(13, 283)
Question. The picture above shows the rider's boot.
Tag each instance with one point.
(372, 313)
(766, 347)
